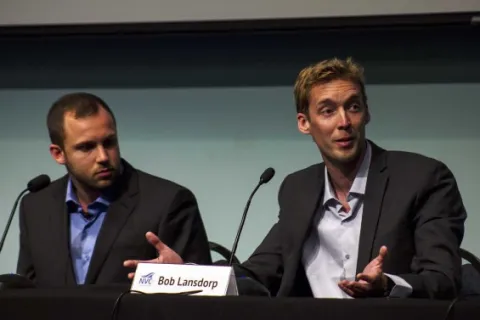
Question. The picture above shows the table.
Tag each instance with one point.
(97, 303)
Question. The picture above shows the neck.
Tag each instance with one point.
(342, 175)
(84, 194)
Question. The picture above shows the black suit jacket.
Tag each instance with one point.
(412, 205)
(142, 203)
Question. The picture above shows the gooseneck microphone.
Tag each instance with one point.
(34, 185)
(266, 176)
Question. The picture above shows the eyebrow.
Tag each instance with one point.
(83, 143)
(354, 97)
(329, 101)
(86, 142)
(325, 102)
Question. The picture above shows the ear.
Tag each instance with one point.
(57, 153)
(303, 123)
(367, 116)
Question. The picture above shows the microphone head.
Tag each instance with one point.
(267, 175)
(38, 183)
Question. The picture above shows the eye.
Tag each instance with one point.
(326, 111)
(355, 107)
(85, 147)
(110, 142)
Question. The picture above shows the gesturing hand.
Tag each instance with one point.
(165, 254)
(371, 282)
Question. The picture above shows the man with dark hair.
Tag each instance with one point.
(82, 228)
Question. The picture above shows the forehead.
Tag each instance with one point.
(336, 90)
(93, 127)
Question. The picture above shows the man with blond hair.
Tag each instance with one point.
(365, 222)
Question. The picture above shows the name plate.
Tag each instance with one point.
(185, 279)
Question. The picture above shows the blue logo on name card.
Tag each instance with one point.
(146, 280)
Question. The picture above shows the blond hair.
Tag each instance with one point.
(323, 72)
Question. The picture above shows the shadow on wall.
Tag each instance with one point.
(408, 55)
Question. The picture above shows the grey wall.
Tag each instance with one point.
(212, 111)
(47, 12)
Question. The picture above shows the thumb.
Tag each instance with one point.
(155, 241)
(382, 253)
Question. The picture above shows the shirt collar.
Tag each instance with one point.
(359, 184)
(72, 197)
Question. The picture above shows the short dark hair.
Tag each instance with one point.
(82, 104)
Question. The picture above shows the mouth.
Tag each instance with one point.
(345, 142)
(104, 173)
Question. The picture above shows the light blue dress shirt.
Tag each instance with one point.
(84, 230)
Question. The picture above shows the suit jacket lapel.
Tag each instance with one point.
(60, 229)
(116, 217)
(304, 210)
(307, 206)
(377, 182)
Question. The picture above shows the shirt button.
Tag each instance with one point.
(347, 256)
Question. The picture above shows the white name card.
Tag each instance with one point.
(185, 279)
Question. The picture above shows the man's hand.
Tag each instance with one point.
(371, 282)
(165, 254)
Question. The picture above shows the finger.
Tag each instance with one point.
(347, 283)
(155, 241)
(343, 283)
(131, 275)
(130, 263)
(366, 277)
(360, 288)
(382, 254)
(134, 263)
(346, 289)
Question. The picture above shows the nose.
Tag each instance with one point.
(344, 122)
(102, 155)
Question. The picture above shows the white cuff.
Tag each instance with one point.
(401, 289)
